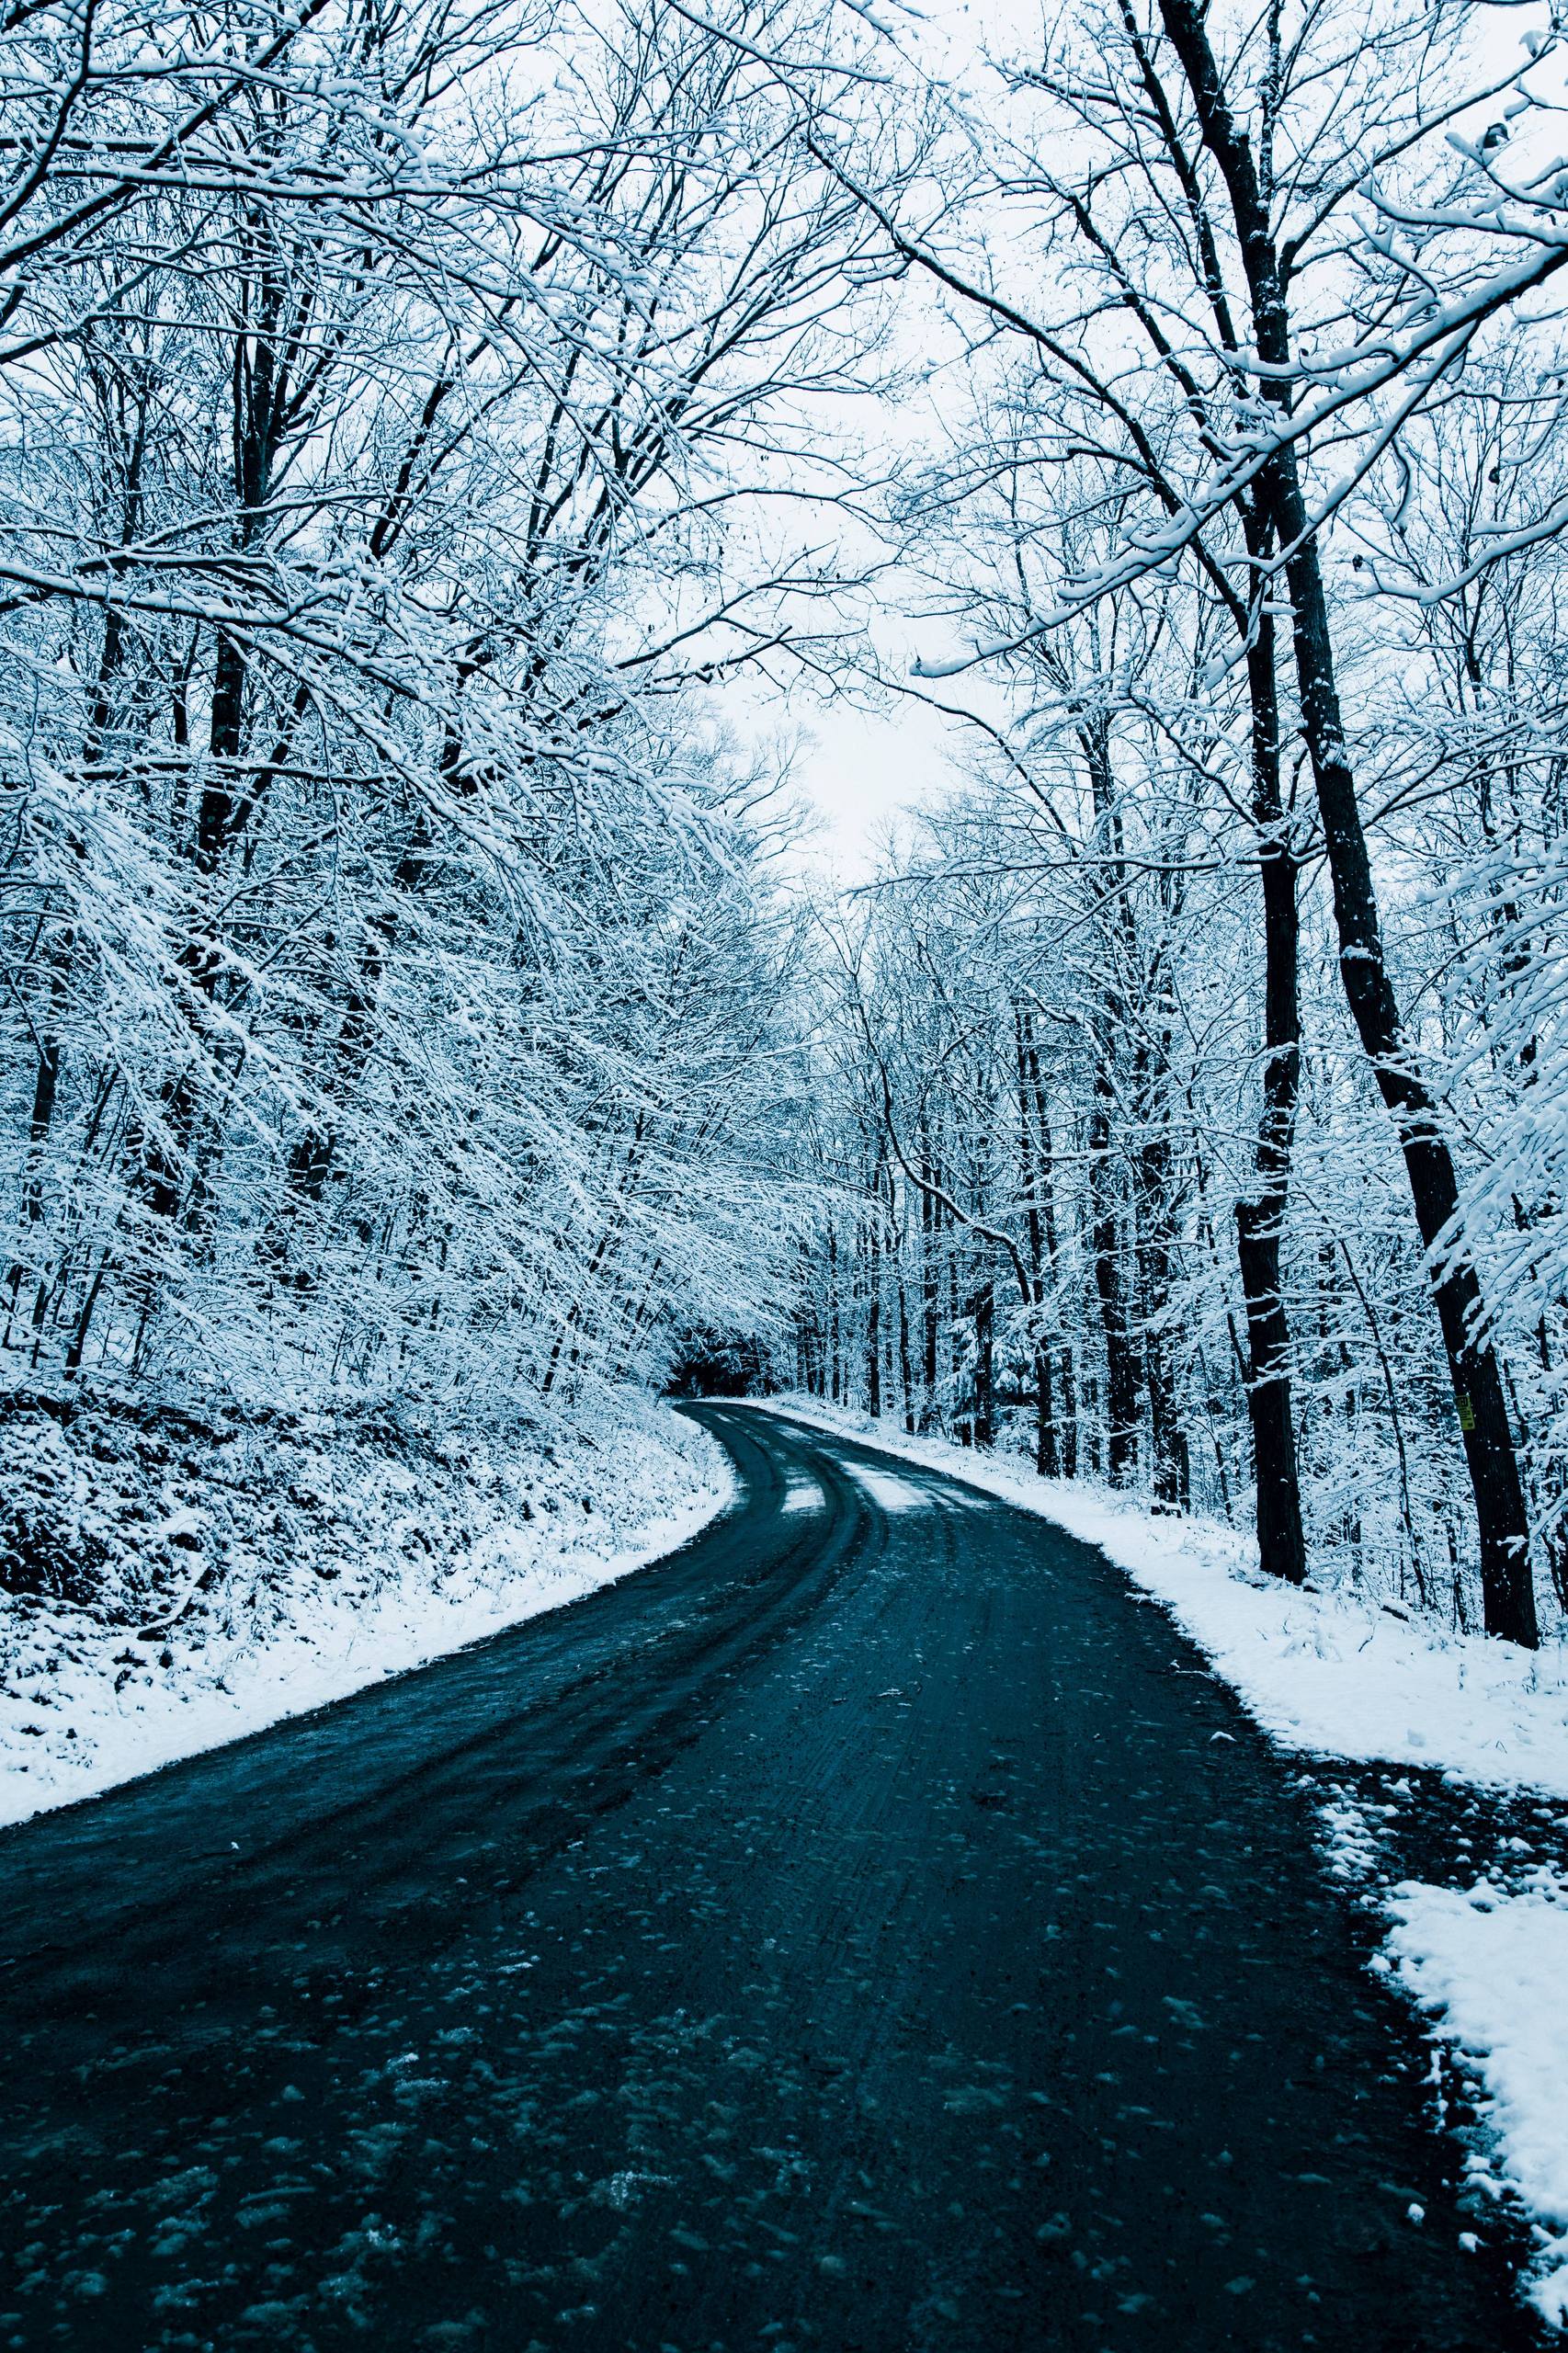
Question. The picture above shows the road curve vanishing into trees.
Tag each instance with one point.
(869, 1929)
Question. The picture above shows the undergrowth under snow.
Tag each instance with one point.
(1341, 1675)
(186, 1581)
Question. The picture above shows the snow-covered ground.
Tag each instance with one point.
(1492, 1967)
(1336, 1676)
(339, 1565)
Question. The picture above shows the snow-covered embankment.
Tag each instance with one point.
(204, 1582)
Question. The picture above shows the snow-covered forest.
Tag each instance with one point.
(1194, 1075)
(446, 451)
(396, 970)
(392, 980)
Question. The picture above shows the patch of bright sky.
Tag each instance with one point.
(865, 760)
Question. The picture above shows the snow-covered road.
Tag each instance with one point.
(869, 1927)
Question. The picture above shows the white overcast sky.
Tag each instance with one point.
(862, 767)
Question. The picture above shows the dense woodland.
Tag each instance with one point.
(433, 437)
(392, 977)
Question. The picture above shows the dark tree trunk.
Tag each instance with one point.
(874, 1310)
(1123, 1360)
(1507, 1593)
(954, 1354)
(896, 1228)
(1047, 1454)
(1034, 1168)
(985, 1417)
(930, 1297)
(1121, 1356)
(1281, 1542)
(46, 1089)
(1069, 1416)
(832, 1354)
(1508, 1590)
(1167, 1444)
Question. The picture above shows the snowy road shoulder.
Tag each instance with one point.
(400, 1570)
(1335, 1676)
(1491, 1967)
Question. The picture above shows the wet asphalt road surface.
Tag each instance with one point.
(869, 1929)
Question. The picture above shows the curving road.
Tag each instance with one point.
(868, 1929)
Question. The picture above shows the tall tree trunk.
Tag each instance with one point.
(984, 1308)
(1068, 1417)
(1124, 1366)
(907, 1370)
(1507, 1589)
(46, 1091)
(1507, 1592)
(1167, 1444)
(1260, 1217)
(898, 1227)
(930, 1289)
(833, 1346)
(1034, 1153)
(874, 1304)
(1110, 1284)
(965, 1420)
(1047, 1453)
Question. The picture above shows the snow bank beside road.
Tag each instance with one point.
(1340, 1678)
(1493, 1967)
(351, 1565)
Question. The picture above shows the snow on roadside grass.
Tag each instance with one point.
(403, 1566)
(1339, 1676)
(1493, 1966)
